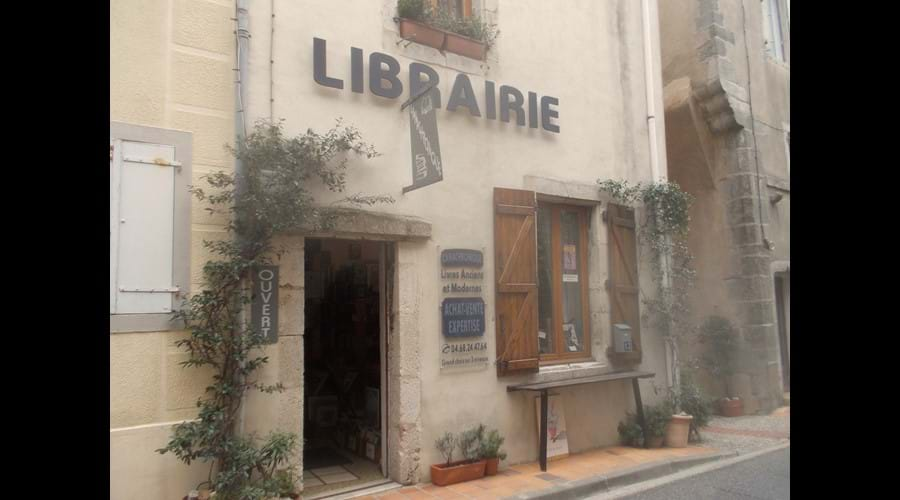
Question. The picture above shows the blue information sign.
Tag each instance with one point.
(462, 317)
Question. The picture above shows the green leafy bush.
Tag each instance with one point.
(417, 10)
(656, 417)
(276, 198)
(690, 399)
(470, 442)
(721, 338)
(630, 431)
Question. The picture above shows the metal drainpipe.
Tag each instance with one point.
(655, 174)
(240, 131)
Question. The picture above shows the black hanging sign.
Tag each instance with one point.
(426, 148)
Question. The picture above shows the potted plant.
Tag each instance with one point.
(285, 483)
(465, 470)
(720, 336)
(656, 418)
(690, 411)
(490, 451)
(414, 16)
(466, 36)
(630, 432)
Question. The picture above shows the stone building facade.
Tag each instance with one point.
(726, 67)
(174, 104)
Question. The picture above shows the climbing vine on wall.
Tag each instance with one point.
(275, 195)
(664, 233)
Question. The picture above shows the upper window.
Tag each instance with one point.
(541, 274)
(563, 319)
(149, 227)
(456, 8)
(775, 31)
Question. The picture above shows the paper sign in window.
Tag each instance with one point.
(569, 258)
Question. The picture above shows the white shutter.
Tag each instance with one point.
(146, 187)
(115, 153)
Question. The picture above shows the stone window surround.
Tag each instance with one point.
(404, 393)
(182, 141)
(564, 191)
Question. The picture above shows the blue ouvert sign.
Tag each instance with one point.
(462, 317)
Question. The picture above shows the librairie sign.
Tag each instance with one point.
(384, 81)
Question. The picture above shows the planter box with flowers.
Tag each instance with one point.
(465, 470)
(470, 37)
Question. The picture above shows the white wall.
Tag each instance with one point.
(588, 55)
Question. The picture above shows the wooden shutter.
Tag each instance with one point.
(515, 271)
(623, 276)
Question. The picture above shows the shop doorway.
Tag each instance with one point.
(345, 379)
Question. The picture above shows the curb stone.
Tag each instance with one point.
(581, 488)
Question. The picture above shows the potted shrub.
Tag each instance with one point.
(678, 430)
(490, 451)
(630, 432)
(456, 472)
(656, 418)
(690, 411)
(721, 339)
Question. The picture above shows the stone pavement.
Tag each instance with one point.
(528, 480)
(617, 464)
(748, 433)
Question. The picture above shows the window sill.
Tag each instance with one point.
(441, 40)
(150, 322)
(552, 373)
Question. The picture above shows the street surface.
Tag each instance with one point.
(767, 477)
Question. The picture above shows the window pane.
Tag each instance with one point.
(545, 281)
(775, 23)
(572, 274)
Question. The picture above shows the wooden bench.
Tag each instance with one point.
(544, 387)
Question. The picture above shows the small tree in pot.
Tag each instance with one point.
(690, 411)
(720, 337)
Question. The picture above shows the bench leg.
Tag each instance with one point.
(544, 411)
(640, 408)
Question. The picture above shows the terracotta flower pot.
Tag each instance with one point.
(678, 430)
(655, 441)
(464, 46)
(491, 466)
(731, 408)
(440, 39)
(457, 472)
(422, 33)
